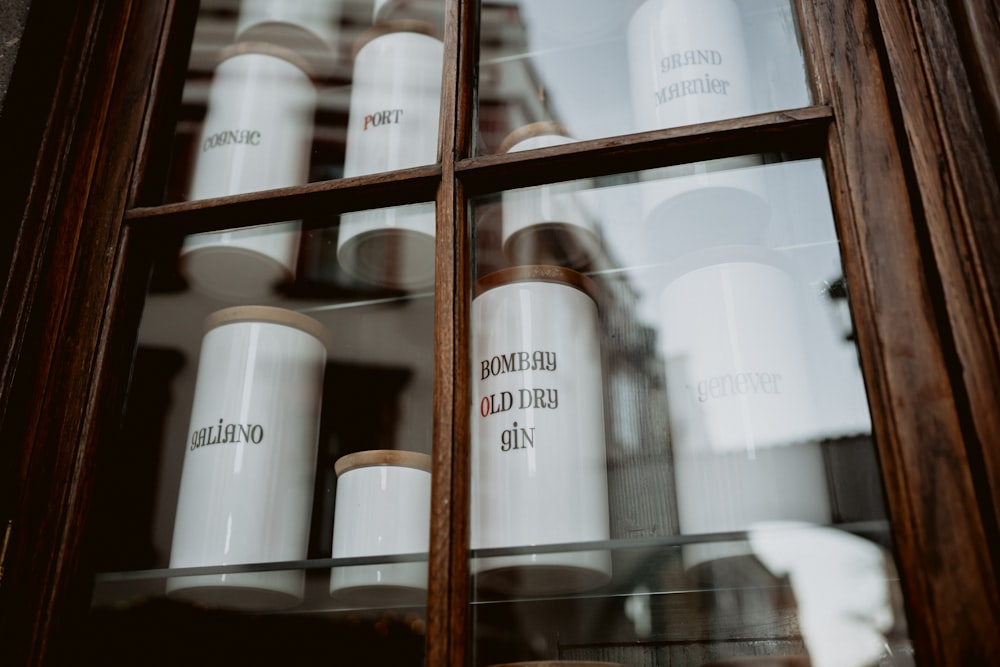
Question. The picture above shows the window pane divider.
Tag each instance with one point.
(321, 200)
(802, 130)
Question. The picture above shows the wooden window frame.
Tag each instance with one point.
(906, 102)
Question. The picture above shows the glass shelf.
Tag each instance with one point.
(637, 562)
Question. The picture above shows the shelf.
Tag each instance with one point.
(653, 561)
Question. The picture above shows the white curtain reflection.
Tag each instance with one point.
(840, 584)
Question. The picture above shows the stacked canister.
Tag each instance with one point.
(248, 475)
(742, 420)
(539, 468)
(393, 124)
(257, 135)
(551, 224)
(249, 465)
(688, 63)
(250, 459)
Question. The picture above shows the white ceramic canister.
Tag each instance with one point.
(688, 63)
(393, 124)
(428, 11)
(743, 421)
(250, 460)
(257, 135)
(303, 26)
(549, 224)
(539, 468)
(382, 508)
(560, 663)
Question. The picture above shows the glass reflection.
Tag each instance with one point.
(284, 93)
(743, 503)
(602, 69)
(273, 468)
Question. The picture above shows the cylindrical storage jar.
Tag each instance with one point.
(743, 420)
(560, 663)
(257, 135)
(304, 26)
(382, 508)
(247, 480)
(550, 224)
(428, 11)
(539, 468)
(688, 63)
(392, 124)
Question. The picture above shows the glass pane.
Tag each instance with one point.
(271, 481)
(285, 92)
(552, 71)
(672, 458)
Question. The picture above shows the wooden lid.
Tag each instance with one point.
(560, 663)
(540, 129)
(266, 49)
(761, 661)
(725, 254)
(271, 315)
(541, 273)
(382, 457)
(390, 27)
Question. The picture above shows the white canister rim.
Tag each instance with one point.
(382, 457)
(395, 10)
(539, 273)
(761, 661)
(270, 315)
(727, 254)
(392, 27)
(265, 49)
(531, 130)
(560, 663)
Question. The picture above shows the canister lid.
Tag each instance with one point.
(726, 254)
(391, 27)
(560, 663)
(543, 273)
(306, 26)
(266, 49)
(761, 661)
(430, 11)
(272, 315)
(382, 457)
(531, 130)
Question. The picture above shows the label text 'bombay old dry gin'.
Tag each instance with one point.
(539, 468)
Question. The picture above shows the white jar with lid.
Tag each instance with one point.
(431, 12)
(304, 26)
(539, 466)
(743, 419)
(548, 224)
(393, 124)
(382, 508)
(688, 63)
(257, 135)
(250, 459)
